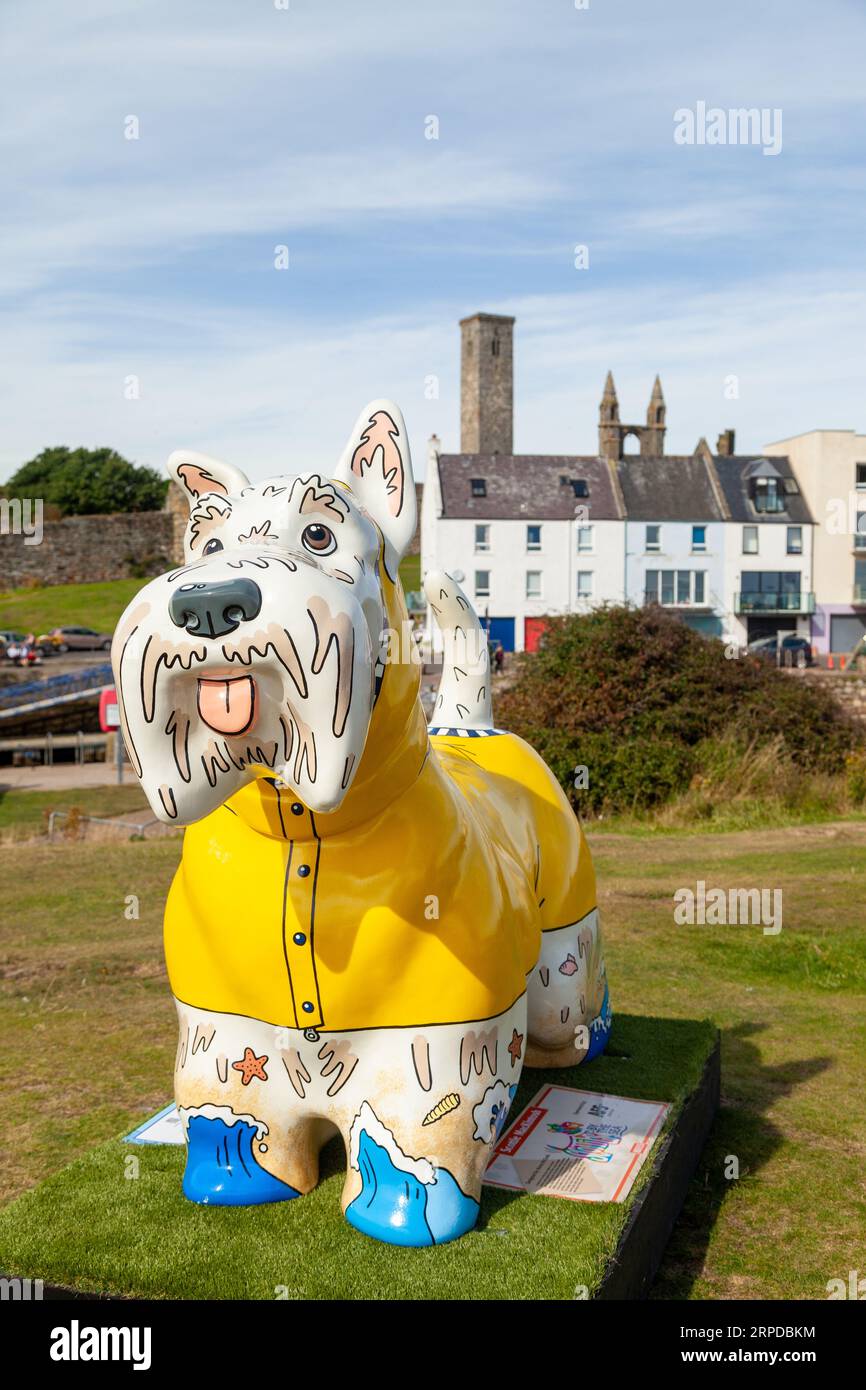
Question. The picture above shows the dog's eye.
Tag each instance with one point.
(318, 539)
(212, 546)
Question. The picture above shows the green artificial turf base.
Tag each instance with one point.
(95, 1227)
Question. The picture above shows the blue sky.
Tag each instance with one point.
(260, 126)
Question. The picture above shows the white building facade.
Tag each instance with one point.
(830, 466)
(529, 537)
(723, 540)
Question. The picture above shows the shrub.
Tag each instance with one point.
(648, 706)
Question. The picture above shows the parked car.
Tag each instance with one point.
(8, 638)
(76, 639)
(791, 651)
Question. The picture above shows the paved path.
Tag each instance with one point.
(63, 775)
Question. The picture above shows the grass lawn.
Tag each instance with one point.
(87, 1040)
(100, 605)
(67, 605)
(410, 573)
(24, 812)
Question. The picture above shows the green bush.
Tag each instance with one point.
(651, 708)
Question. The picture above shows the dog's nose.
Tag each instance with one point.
(211, 609)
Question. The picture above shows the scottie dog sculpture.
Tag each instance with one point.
(374, 924)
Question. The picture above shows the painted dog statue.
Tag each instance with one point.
(374, 924)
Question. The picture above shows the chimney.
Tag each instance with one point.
(725, 444)
(486, 384)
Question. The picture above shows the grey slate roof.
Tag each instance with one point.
(733, 470)
(676, 487)
(525, 486)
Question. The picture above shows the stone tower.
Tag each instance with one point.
(609, 428)
(652, 444)
(612, 433)
(486, 384)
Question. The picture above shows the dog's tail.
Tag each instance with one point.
(463, 701)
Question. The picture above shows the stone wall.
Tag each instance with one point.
(84, 549)
(848, 689)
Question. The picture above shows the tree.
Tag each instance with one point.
(81, 482)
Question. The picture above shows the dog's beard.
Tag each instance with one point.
(202, 720)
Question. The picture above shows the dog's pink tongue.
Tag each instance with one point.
(227, 706)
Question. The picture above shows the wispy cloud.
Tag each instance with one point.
(153, 257)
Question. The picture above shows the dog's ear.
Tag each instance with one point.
(197, 474)
(377, 466)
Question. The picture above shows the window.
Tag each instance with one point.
(584, 583)
(767, 496)
(482, 538)
(791, 486)
(478, 486)
(770, 591)
(795, 540)
(756, 581)
(750, 540)
(585, 541)
(675, 588)
(578, 485)
(861, 477)
(533, 538)
(533, 583)
(699, 538)
(653, 538)
(860, 534)
(482, 583)
(494, 347)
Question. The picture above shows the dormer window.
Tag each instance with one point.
(767, 488)
(767, 495)
(478, 487)
(580, 487)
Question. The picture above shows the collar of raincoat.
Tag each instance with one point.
(394, 754)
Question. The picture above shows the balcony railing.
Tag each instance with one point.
(774, 603)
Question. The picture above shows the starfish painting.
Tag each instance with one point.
(515, 1047)
(251, 1066)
